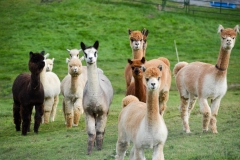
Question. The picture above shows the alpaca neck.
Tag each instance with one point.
(93, 80)
(223, 59)
(139, 88)
(43, 76)
(35, 81)
(152, 107)
(137, 54)
(74, 84)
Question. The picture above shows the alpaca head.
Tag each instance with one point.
(36, 62)
(136, 39)
(153, 78)
(228, 36)
(145, 35)
(49, 64)
(74, 67)
(137, 66)
(74, 52)
(90, 53)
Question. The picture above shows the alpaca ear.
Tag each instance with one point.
(67, 60)
(82, 58)
(236, 29)
(143, 68)
(129, 31)
(146, 33)
(130, 61)
(42, 53)
(52, 59)
(143, 60)
(30, 54)
(68, 50)
(46, 55)
(79, 50)
(83, 46)
(220, 28)
(96, 44)
(160, 67)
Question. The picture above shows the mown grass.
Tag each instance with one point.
(54, 26)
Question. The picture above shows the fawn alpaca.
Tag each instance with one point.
(203, 80)
(141, 122)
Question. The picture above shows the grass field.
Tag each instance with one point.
(57, 25)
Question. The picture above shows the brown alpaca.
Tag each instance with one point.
(203, 80)
(138, 43)
(165, 80)
(137, 87)
(141, 122)
(28, 92)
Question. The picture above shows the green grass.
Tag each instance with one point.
(54, 26)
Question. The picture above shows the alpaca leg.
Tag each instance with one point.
(48, 104)
(163, 98)
(38, 116)
(139, 154)
(91, 132)
(26, 118)
(158, 152)
(100, 128)
(192, 101)
(121, 148)
(184, 114)
(54, 109)
(77, 111)
(205, 110)
(16, 116)
(63, 108)
(131, 156)
(68, 113)
(214, 109)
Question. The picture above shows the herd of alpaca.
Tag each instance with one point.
(86, 89)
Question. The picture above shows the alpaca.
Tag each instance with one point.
(49, 64)
(203, 80)
(165, 81)
(138, 45)
(72, 90)
(141, 122)
(137, 87)
(74, 52)
(27, 92)
(97, 98)
(51, 85)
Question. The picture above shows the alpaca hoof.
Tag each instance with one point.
(75, 125)
(205, 130)
(214, 131)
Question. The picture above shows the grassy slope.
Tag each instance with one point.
(32, 26)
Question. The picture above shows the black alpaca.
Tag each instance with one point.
(28, 92)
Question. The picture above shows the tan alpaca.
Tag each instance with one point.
(165, 80)
(141, 122)
(138, 43)
(137, 87)
(202, 80)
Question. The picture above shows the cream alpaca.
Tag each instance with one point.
(141, 122)
(72, 89)
(204, 81)
(51, 85)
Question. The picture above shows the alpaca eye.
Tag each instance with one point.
(223, 38)
(70, 66)
(141, 40)
(233, 38)
(158, 78)
(132, 68)
(147, 79)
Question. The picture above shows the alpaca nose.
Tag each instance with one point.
(90, 58)
(136, 71)
(153, 84)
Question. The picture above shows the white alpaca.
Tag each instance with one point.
(141, 122)
(97, 98)
(51, 85)
(205, 81)
(74, 52)
(72, 90)
(49, 63)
